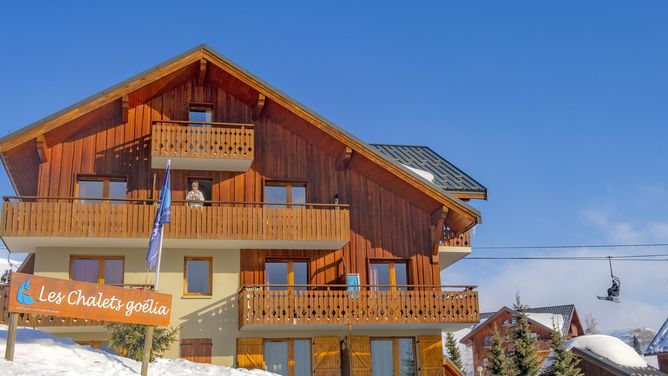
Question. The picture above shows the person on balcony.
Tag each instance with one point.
(195, 197)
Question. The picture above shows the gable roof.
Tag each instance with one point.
(614, 368)
(566, 311)
(203, 51)
(659, 344)
(446, 176)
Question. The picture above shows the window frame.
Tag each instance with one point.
(396, 365)
(209, 259)
(291, 270)
(291, 352)
(201, 107)
(392, 272)
(105, 179)
(101, 260)
(288, 184)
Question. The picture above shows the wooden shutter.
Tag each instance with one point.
(361, 356)
(196, 350)
(250, 353)
(430, 353)
(326, 356)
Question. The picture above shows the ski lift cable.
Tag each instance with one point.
(567, 246)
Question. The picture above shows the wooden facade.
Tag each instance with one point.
(359, 207)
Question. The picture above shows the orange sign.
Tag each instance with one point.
(58, 297)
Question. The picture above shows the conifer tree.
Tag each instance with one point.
(499, 363)
(525, 357)
(564, 362)
(128, 340)
(636, 345)
(452, 351)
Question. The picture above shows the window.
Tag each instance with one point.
(290, 357)
(289, 193)
(287, 273)
(204, 185)
(197, 275)
(401, 352)
(101, 187)
(383, 274)
(106, 270)
(487, 341)
(200, 113)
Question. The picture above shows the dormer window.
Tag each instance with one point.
(200, 113)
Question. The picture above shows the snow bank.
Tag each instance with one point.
(41, 354)
(424, 174)
(546, 319)
(611, 348)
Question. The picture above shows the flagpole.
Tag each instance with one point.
(148, 339)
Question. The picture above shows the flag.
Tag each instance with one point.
(162, 216)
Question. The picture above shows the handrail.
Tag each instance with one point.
(333, 285)
(242, 125)
(148, 200)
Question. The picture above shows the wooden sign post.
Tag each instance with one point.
(65, 298)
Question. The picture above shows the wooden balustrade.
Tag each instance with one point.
(202, 140)
(26, 319)
(369, 305)
(120, 218)
(451, 239)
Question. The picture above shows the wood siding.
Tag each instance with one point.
(388, 221)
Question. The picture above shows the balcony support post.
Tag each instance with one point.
(202, 72)
(437, 222)
(344, 158)
(259, 106)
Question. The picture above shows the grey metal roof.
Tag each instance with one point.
(447, 177)
(659, 344)
(566, 311)
(616, 368)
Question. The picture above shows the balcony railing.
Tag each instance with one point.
(224, 225)
(452, 239)
(202, 145)
(262, 305)
(26, 319)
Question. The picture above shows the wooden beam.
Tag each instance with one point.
(202, 72)
(259, 106)
(124, 109)
(344, 158)
(41, 148)
(437, 222)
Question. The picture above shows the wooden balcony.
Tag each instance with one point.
(26, 319)
(453, 247)
(202, 145)
(30, 222)
(261, 307)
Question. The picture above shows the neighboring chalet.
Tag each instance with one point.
(659, 347)
(312, 252)
(601, 355)
(540, 321)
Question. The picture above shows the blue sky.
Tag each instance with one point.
(559, 108)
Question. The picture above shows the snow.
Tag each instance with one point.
(660, 342)
(40, 354)
(423, 174)
(611, 348)
(546, 319)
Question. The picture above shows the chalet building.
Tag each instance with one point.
(659, 347)
(540, 322)
(312, 252)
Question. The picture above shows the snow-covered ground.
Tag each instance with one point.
(40, 354)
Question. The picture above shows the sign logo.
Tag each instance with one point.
(22, 295)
